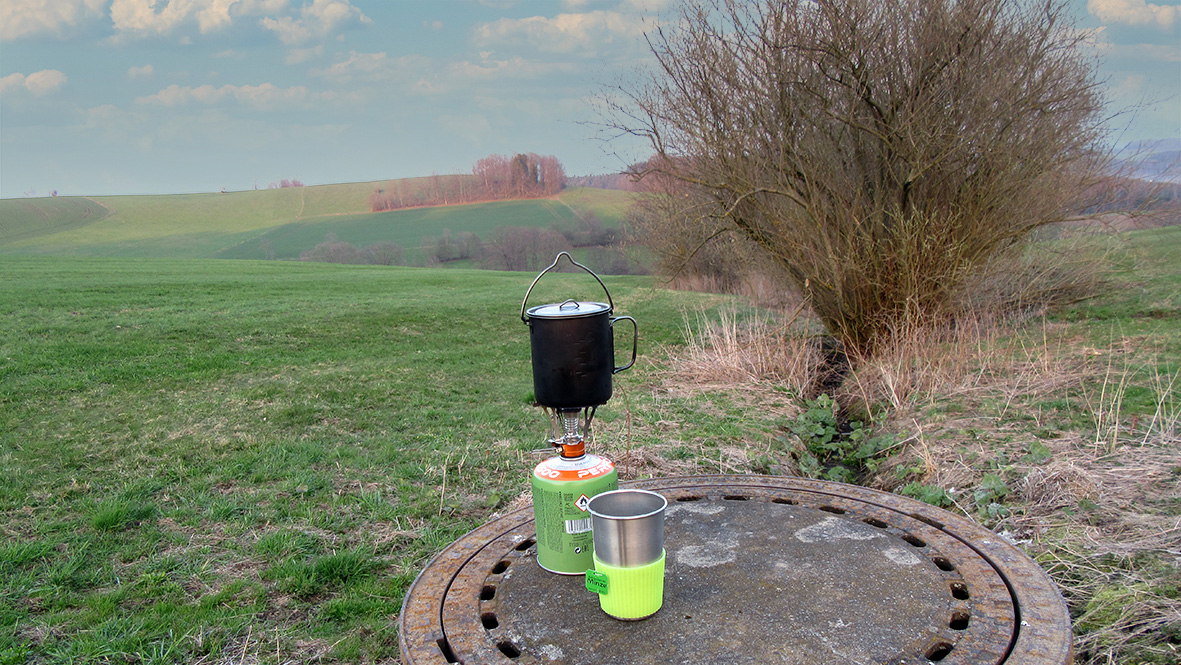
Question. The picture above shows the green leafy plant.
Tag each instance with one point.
(1038, 453)
(932, 494)
(988, 496)
(816, 427)
(991, 490)
(824, 451)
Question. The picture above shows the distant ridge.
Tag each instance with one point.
(295, 223)
(1157, 160)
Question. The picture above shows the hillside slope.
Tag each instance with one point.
(287, 221)
(26, 219)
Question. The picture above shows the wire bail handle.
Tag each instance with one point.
(610, 303)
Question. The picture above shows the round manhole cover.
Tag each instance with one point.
(760, 570)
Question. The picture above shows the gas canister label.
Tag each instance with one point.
(597, 470)
(578, 526)
(560, 469)
(562, 489)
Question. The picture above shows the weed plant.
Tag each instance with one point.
(827, 448)
(1055, 424)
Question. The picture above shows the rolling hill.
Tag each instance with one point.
(272, 223)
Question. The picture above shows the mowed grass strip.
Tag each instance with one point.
(205, 458)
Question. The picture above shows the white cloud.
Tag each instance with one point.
(12, 82)
(1093, 38)
(1148, 52)
(645, 6)
(317, 20)
(1135, 12)
(261, 97)
(356, 65)
(1131, 86)
(592, 31)
(517, 67)
(140, 72)
(145, 17)
(24, 18)
(215, 16)
(1098, 40)
(261, 7)
(101, 117)
(429, 78)
(288, 29)
(376, 67)
(298, 55)
(153, 17)
(39, 83)
(45, 81)
(269, 95)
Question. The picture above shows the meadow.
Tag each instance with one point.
(405, 227)
(250, 461)
(202, 457)
(272, 223)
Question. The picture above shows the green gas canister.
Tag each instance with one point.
(563, 486)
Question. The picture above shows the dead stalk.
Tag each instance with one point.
(1166, 414)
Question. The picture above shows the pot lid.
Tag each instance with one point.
(571, 309)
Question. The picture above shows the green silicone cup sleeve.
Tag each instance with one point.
(632, 593)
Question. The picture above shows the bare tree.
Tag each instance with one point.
(880, 152)
(522, 248)
(553, 175)
(386, 254)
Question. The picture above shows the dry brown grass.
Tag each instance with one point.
(751, 350)
(754, 284)
(1118, 605)
(1098, 511)
(274, 648)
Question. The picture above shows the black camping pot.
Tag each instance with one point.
(573, 348)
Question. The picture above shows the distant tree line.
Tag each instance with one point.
(621, 181)
(1123, 194)
(337, 251)
(519, 248)
(520, 176)
(493, 178)
(284, 184)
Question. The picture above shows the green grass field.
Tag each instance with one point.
(201, 459)
(272, 223)
(403, 227)
(192, 452)
(24, 220)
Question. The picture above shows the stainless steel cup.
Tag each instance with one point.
(628, 527)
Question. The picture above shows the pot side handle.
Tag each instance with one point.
(553, 265)
(635, 341)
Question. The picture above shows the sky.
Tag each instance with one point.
(107, 97)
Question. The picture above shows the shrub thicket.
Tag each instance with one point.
(880, 153)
